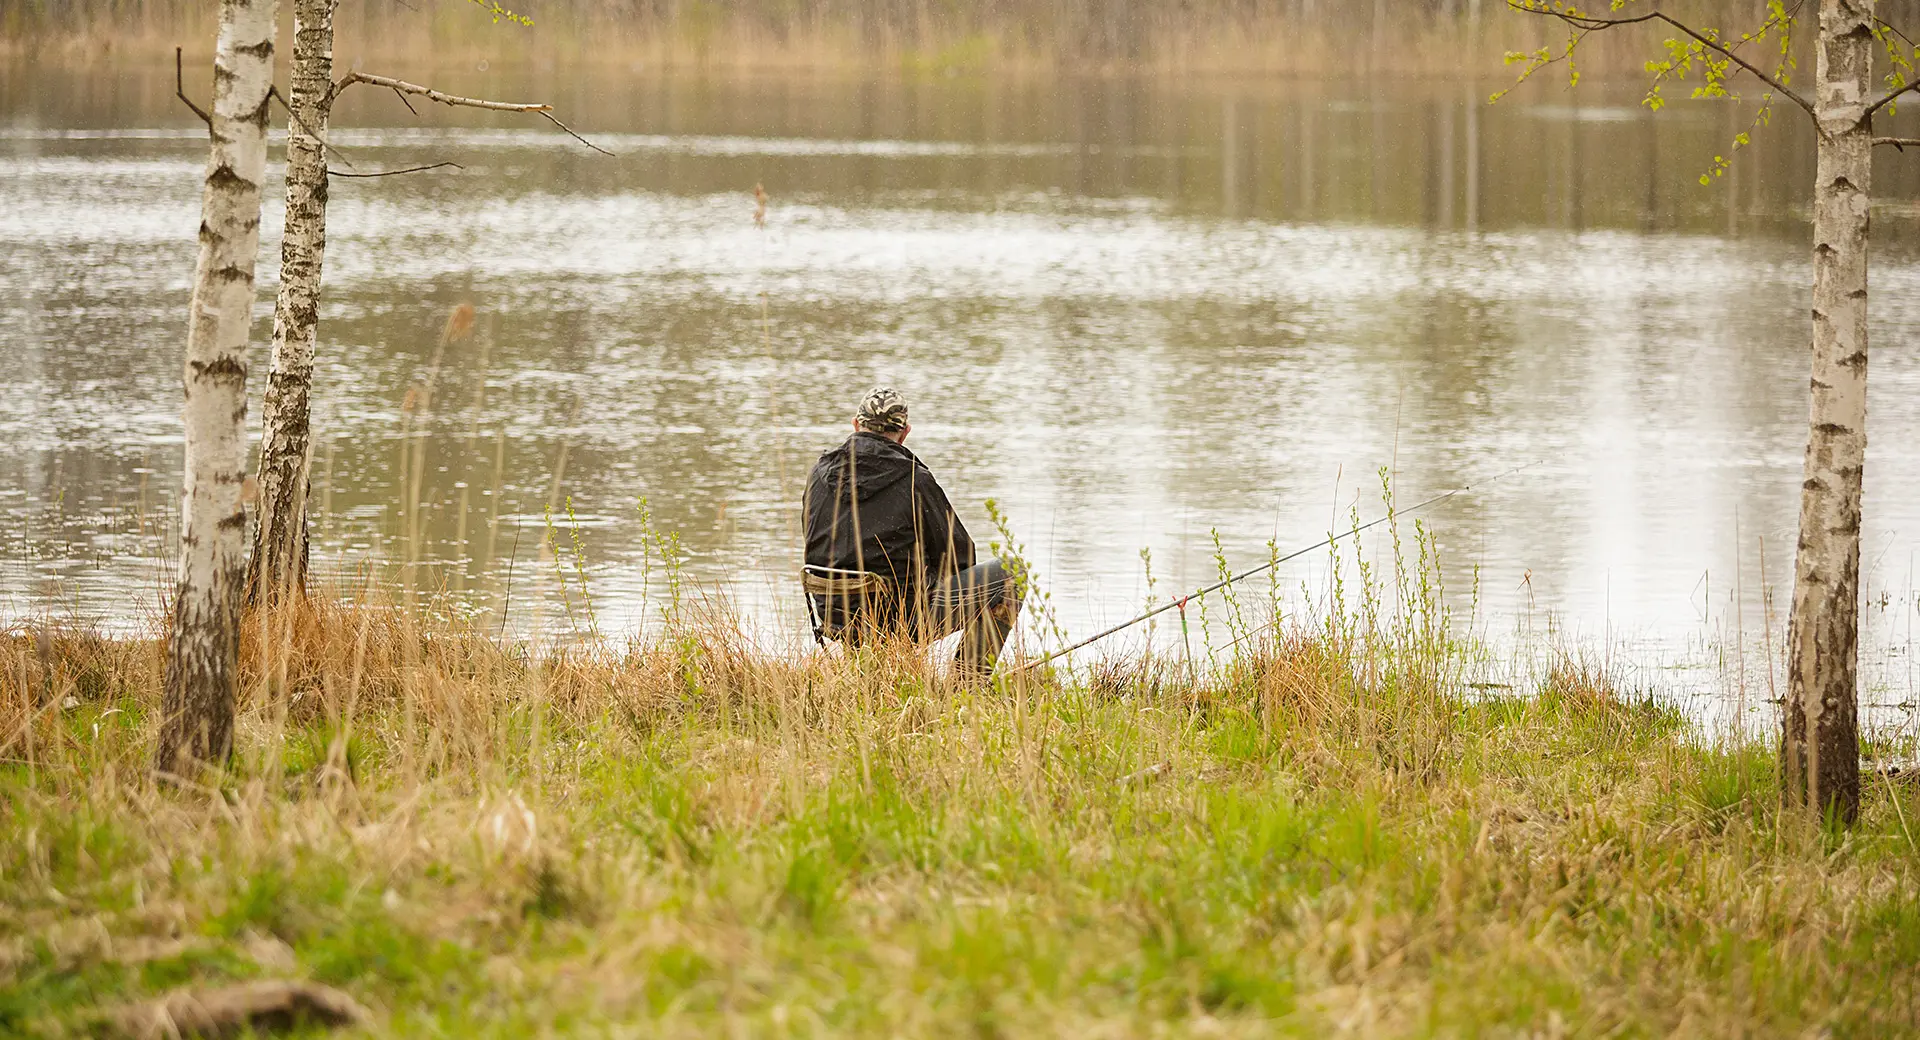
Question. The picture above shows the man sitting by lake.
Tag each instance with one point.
(886, 554)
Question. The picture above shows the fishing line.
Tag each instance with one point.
(1180, 604)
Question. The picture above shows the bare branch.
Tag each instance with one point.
(402, 88)
(1899, 143)
(551, 118)
(1594, 23)
(396, 173)
(293, 119)
(404, 101)
(180, 91)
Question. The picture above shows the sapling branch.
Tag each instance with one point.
(1595, 23)
(1895, 30)
(403, 88)
(1886, 32)
(1890, 97)
(1899, 144)
(180, 91)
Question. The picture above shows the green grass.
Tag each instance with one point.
(686, 839)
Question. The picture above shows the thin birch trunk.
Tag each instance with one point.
(198, 719)
(1820, 754)
(279, 564)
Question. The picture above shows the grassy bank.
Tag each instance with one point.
(1390, 39)
(685, 837)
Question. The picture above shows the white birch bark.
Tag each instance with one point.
(198, 712)
(279, 563)
(1820, 754)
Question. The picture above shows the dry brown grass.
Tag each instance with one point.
(689, 836)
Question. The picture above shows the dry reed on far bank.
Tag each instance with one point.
(1394, 40)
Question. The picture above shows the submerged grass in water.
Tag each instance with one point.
(685, 836)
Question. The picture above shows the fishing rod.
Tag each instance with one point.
(1181, 603)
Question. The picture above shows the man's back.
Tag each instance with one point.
(871, 505)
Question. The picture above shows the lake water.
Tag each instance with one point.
(1132, 313)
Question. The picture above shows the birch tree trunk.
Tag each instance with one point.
(279, 563)
(1820, 747)
(198, 720)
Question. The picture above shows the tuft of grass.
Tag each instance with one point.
(684, 836)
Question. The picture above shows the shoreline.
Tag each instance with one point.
(683, 838)
(1262, 46)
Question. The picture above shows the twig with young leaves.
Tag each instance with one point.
(500, 14)
(1684, 55)
(1899, 76)
(1715, 56)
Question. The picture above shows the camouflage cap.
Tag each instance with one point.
(883, 410)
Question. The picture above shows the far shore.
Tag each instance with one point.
(1263, 45)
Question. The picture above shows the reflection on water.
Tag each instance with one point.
(1133, 314)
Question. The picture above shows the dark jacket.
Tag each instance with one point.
(872, 505)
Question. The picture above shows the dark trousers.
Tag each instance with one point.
(981, 602)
